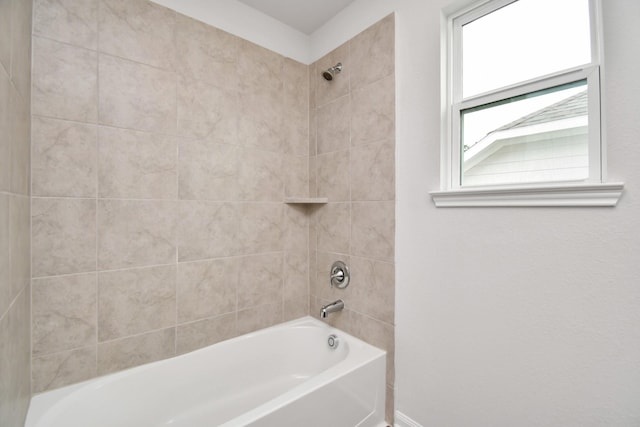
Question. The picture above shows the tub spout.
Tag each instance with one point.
(330, 308)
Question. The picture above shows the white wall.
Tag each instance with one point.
(515, 317)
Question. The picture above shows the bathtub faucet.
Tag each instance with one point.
(330, 308)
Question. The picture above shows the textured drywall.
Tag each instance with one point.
(515, 316)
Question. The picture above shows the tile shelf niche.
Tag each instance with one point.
(306, 200)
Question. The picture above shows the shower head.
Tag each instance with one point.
(328, 74)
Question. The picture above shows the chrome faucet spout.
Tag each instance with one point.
(331, 308)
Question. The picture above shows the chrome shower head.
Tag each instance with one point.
(328, 74)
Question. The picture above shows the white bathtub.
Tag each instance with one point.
(286, 375)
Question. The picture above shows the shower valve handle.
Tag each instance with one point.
(339, 275)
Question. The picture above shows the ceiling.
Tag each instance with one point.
(303, 15)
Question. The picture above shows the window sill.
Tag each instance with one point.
(549, 195)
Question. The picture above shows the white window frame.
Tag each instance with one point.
(590, 192)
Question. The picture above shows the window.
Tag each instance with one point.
(523, 105)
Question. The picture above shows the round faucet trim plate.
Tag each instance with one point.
(339, 275)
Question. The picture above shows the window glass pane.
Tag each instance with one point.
(524, 40)
(538, 137)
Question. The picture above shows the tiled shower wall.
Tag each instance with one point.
(162, 151)
(352, 158)
(15, 95)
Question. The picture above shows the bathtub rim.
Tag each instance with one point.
(41, 403)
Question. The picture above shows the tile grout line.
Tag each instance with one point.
(177, 185)
(31, 150)
(97, 184)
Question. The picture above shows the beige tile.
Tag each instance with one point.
(261, 175)
(261, 227)
(313, 212)
(136, 96)
(65, 81)
(333, 227)
(136, 233)
(296, 132)
(373, 112)
(64, 156)
(259, 68)
(313, 89)
(389, 405)
(15, 362)
(20, 143)
(373, 171)
(195, 335)
(60, 369)
(296, 179)
(15, 254)
(64, 313)
(296, 285)
(333, 126)
(14, 232)
(134, 351)
(313, 273)
(373, 288)
(296, 107)
(372, 53)
(260, 124)
(295, 307)
(259, 317)
(5, 128)
(21, 18)
(327, 91)
(296, 229)
(376, 333)
(296, 83)
(69, 21)
(208, 170)
(208, 111)
(313, 177)
(135, 301)
(5, 35)
(373, 230)
(138, 30)
(313, 129)
(63, 236)
(208, 230)
(333, 171)
(207, 288)
(20, 242)
(206, 53)
(260, 280)
(6, 289)
(136, 165)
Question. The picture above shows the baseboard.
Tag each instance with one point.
(401, 420)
